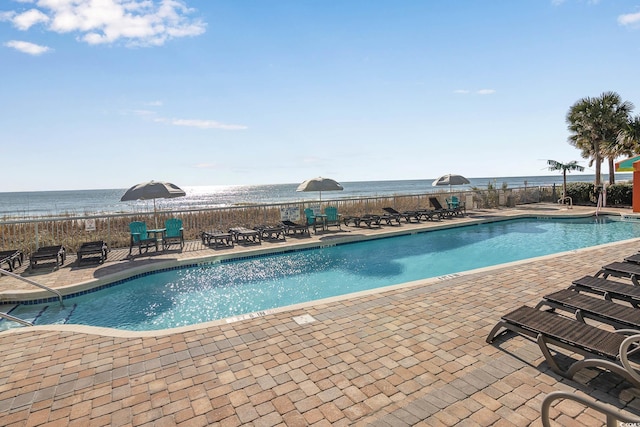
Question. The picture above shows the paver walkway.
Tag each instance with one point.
(411, 355)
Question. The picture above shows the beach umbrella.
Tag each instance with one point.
(153, 190)
(450, 179)
(319, 184)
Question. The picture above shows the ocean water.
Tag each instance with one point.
(88, 202)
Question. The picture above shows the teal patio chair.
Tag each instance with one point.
(332, 218)
(140, 237)
(454, 203)
(312, 221)
(174, 234)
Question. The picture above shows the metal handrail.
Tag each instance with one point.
(15, 319)
(612, 413)
(564, 199)
(34, 283)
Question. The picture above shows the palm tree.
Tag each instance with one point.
(564, 167)
(629, 137)
(595, 124)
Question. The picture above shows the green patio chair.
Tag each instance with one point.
(332, 218)
(174, 234)
(312, 221)
(140, 237)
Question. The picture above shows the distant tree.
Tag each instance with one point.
(564, 167)
(595, 124)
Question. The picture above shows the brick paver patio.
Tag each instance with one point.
(409, 355)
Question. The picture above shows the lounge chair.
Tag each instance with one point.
(174, 233)
(141, 238)
(219, 238)
(368, 219)
(629, 270)
(246, 235)
(633, 258)
(291, 227)
(93, 250)
(57, 253)
(442, 210)
(585, 306)
(601, 348)
(271, 232)
(407, 215)
(609, 289)
(429, 214)
(12, 258)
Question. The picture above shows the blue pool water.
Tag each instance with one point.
(194, 295)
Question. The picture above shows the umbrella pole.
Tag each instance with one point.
(155, 217)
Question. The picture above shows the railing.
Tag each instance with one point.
(15, 319)
(563, 200)
(34, 283)
(613, 414)
(71, 231)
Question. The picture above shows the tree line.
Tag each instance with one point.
(603, 128)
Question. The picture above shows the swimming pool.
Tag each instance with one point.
(186, 296)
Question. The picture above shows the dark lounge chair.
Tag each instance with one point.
(294, 228)
(609, 289)
(271, 232)
(584, 306)
(217, 238)
(12, 258)
(367, 219)
(629, 270)
(602, 348)
(407, 215)
(246, 235)
(46, 253)
(93, 250)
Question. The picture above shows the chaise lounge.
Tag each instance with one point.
(609, 289)
(294, 228)
(12, 258)
(602, 348)
(93, 250)
(584, 306)
(46, 253)
(629, 270)
(217, 238)
(407, 215)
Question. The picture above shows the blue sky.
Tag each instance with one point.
(109, 93)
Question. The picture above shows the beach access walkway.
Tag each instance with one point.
(412, 354)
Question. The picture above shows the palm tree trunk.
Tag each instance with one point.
(598, 161)
(612, 170)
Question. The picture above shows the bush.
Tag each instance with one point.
(620, 194)
(582, 193)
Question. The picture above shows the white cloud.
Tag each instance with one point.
(26, 20)
(26, 47)
(131, 22)
(631, 19)
(202, 124)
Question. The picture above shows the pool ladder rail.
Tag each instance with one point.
(31, 282)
